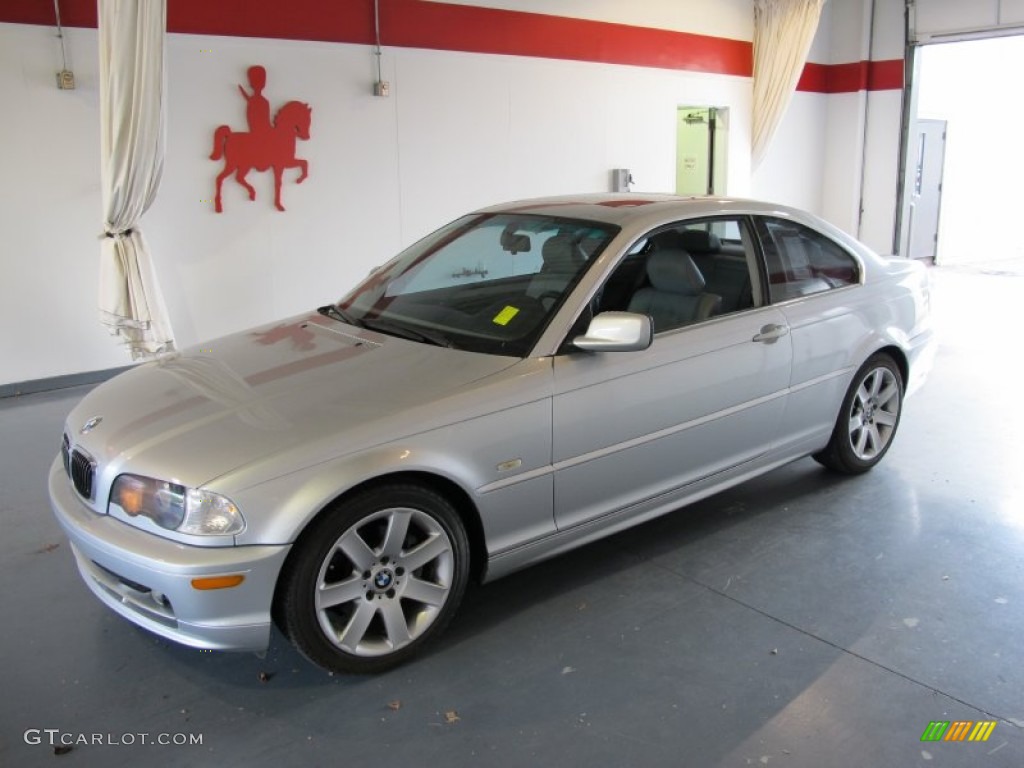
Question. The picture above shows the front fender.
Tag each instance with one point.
(501, 461)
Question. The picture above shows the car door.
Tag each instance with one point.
(707, 395)
(817, 285)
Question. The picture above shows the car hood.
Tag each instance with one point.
(212, 408)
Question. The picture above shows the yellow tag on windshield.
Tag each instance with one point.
(503, 317)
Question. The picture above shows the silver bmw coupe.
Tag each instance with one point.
(527, 379)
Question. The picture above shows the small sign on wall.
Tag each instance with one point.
(267, 145)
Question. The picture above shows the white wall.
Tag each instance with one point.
(49, 209)
(882, 138)
(862, 134)
(791, 171)
(459, 131)
(881, 170)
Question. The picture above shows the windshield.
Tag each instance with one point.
(484, 283)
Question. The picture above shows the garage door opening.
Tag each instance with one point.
(965, 157)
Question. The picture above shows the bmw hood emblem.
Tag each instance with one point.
(90, 425)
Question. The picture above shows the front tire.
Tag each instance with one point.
(868, 418)
(374, 579)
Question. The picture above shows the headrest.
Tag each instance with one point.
(699, 241)
(560, 254)
(673, 271)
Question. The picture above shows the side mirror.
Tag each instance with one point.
(616, 332)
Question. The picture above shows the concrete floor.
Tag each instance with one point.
(801, 619)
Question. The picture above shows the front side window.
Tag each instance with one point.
(485, 283)
(802, 262)
(685, 273)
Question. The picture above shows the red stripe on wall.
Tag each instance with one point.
(73, 13)
(850, 78)
(333, 21)
(341, 21)
(474, 29)
(814, 78)
(419, 24)
(886, 75)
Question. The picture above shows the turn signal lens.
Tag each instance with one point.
(218, 582)
(129, 497)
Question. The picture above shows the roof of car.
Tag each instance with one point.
(619, 208)
(636, 212)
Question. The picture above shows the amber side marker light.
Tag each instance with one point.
(218, 582)
(130, 500)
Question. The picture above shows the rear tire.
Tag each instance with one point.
(868, 418)
(374, 579)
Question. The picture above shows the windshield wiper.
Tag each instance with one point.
(429, 337)
(335, 313)
(417, 334)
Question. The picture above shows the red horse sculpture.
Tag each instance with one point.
(243, 152)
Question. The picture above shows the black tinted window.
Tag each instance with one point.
(685, 273)
(801, 261)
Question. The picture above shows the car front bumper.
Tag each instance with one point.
(148, 579)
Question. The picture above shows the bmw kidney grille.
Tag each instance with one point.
(80, 468)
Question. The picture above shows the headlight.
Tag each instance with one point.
(177, 508)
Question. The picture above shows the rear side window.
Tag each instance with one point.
(802, 262)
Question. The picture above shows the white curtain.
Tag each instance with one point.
(131, 40)
(783, 33)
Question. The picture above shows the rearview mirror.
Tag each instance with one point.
(515, 243)
(616, 332)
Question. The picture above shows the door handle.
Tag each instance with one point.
(771, 333)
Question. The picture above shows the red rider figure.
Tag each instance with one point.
(257, 108)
